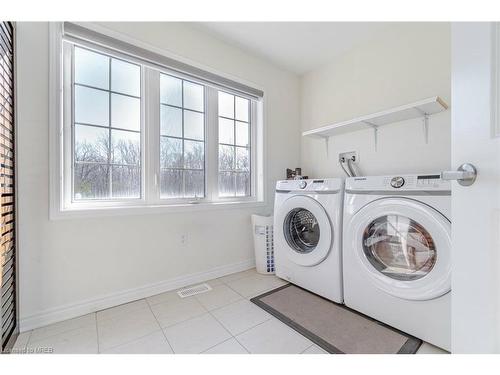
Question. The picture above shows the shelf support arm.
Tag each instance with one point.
(426, 128)
(375, 133)
(425, 124)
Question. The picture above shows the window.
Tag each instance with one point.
(106, 127)
(234, 145)
(182, 138)
(138, 133)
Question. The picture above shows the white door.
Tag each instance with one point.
(476, 208)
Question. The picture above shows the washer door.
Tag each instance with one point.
(404, 247)
(306, 229)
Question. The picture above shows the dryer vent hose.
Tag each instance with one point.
(341, 162)
(349, 171)
(351, 168)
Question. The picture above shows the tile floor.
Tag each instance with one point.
(221, 321)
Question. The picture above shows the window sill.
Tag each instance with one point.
(96, 212)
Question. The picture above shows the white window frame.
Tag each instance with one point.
(61, 199)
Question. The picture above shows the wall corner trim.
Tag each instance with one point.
(77, 309)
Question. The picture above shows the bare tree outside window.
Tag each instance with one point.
(106, 127)
(182, 138)
(234, 145)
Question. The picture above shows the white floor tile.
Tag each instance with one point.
(273, 337)
(314, 349)
(64, 326)
(220, 295)
(238, 275)
(196, 335)
(176, 311)
(163, 297)
(76, 341)
(126, 308)
(230, 346)
(254, 285)
(21, 343)
(240, 316)
(125, 327)
(427, 348)
(155, 343)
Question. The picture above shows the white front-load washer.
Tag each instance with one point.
(397, 253)
(307, 235)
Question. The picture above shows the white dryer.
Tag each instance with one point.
(307, 235)
(397, 253)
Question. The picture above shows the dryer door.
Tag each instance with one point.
(402, 246)
(306, 229)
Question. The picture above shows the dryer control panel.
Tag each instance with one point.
(398, 183)
(311, 185)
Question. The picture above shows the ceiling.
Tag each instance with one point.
(298, 47)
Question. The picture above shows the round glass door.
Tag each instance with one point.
(399, 247)
(301, 230)
(305, 234)
(402, 246)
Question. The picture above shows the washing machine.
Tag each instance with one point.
(397, 253)
(307, 235)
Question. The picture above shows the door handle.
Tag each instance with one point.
(465, 175)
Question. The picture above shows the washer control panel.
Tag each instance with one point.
(397, 182)
(401, 183)
(302, 184)
(432, 180)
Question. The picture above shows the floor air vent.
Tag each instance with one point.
(193, 290)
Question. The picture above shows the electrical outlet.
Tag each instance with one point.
(353, 155)
(184, 239)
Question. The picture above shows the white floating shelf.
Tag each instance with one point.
(423, 108)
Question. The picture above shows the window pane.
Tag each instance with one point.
(91, 68)
(91, 106)
(91, 144)
(242, 109)
(171, 183)
(170, 90)
(170, 152)
(171, 121)
(242, 133)
(242, 184)
(126, 147)
(226, 184)
(194, 153)
(226, 105)
(226, 131)
(242, 159)
(126, 182)
(194, 184)
(193, 125)
(125, 112)
(125, 77)
(91, 181)
(226, 158)
(193, 96)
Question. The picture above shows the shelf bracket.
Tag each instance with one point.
(327, 139)
(426, 128)
(425, 124)
(375, 133)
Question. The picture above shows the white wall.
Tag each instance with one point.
(70, 267)
(402, 64)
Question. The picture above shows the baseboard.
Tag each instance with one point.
(74, 310)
